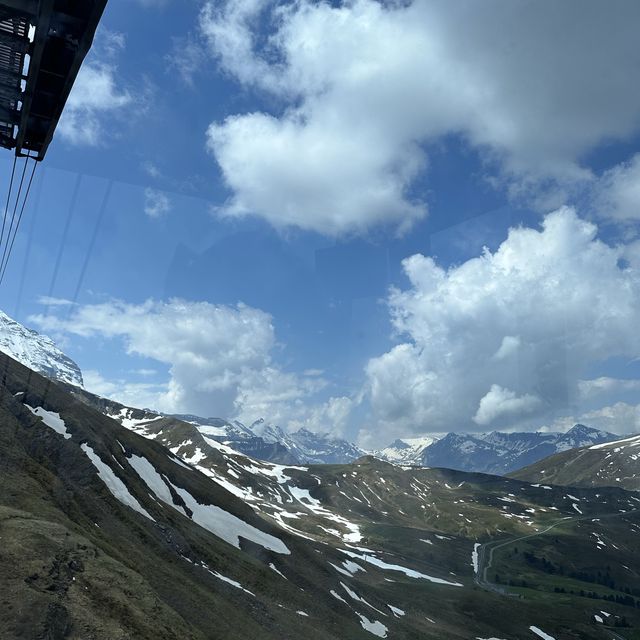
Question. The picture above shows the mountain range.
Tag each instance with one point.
(144, 527)
(269, 442)
(500, 453)
(494, 452)
(123, 522)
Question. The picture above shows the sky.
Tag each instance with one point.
(373, 219)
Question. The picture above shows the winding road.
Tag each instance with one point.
(487, 549)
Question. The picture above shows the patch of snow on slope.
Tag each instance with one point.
(372, 626)
(233, 583)
(474, 557)
(154, 481)
(315, 506)
(227, 526)
(411, 573)
(113, 483)
(632, 441)
(354, 596)
(540, 633)
(52, 420)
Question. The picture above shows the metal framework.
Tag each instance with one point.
(42, 45)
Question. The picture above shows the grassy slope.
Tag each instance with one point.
(76, 563)
(611, 466)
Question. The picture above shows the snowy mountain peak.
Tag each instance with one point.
(501, 452)
(36, 351)
(406, 450)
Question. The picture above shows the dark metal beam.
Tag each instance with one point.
(42, 27)
(64, 31)
(29, 7)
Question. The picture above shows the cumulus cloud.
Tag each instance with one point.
(621, 418)
(131, 394)
(96, 92)
(363, 87)
(156, 203)
(220, 362)
(606, 384)
(499, 402)
(504, 339)
(617, 192)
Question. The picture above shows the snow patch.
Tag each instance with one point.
(540, 633)
(114, 484)
(52, 420)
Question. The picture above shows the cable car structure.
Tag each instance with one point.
(42, 46)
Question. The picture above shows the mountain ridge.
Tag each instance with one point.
(615, 463)
(37, 351)
(493, 452)
(115, 530)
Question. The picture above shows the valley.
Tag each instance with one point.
(143, 524)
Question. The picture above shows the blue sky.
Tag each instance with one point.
(254, 209)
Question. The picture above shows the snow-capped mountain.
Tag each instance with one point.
(494, 452)
(269, 442)
(36, 351)
(134, 523)
(407, 450)
(321, 448)
(501, 453)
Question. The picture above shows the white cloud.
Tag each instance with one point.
(54, 302)
(139, 395)
(617, 192)
(560, 290)
(156, 203)
(108, 44)
(151, 169)
(94, 94)
(220, 362)
(508, 347)
(621, 418)
(499, 402)
(187, 58)
(145, 372)
(606, 384)
(364, 84)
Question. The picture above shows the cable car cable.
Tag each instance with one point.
(63, 241)
(6, 206)
(92, 242)
(26, 260)
(15, 209)
(15, 232)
